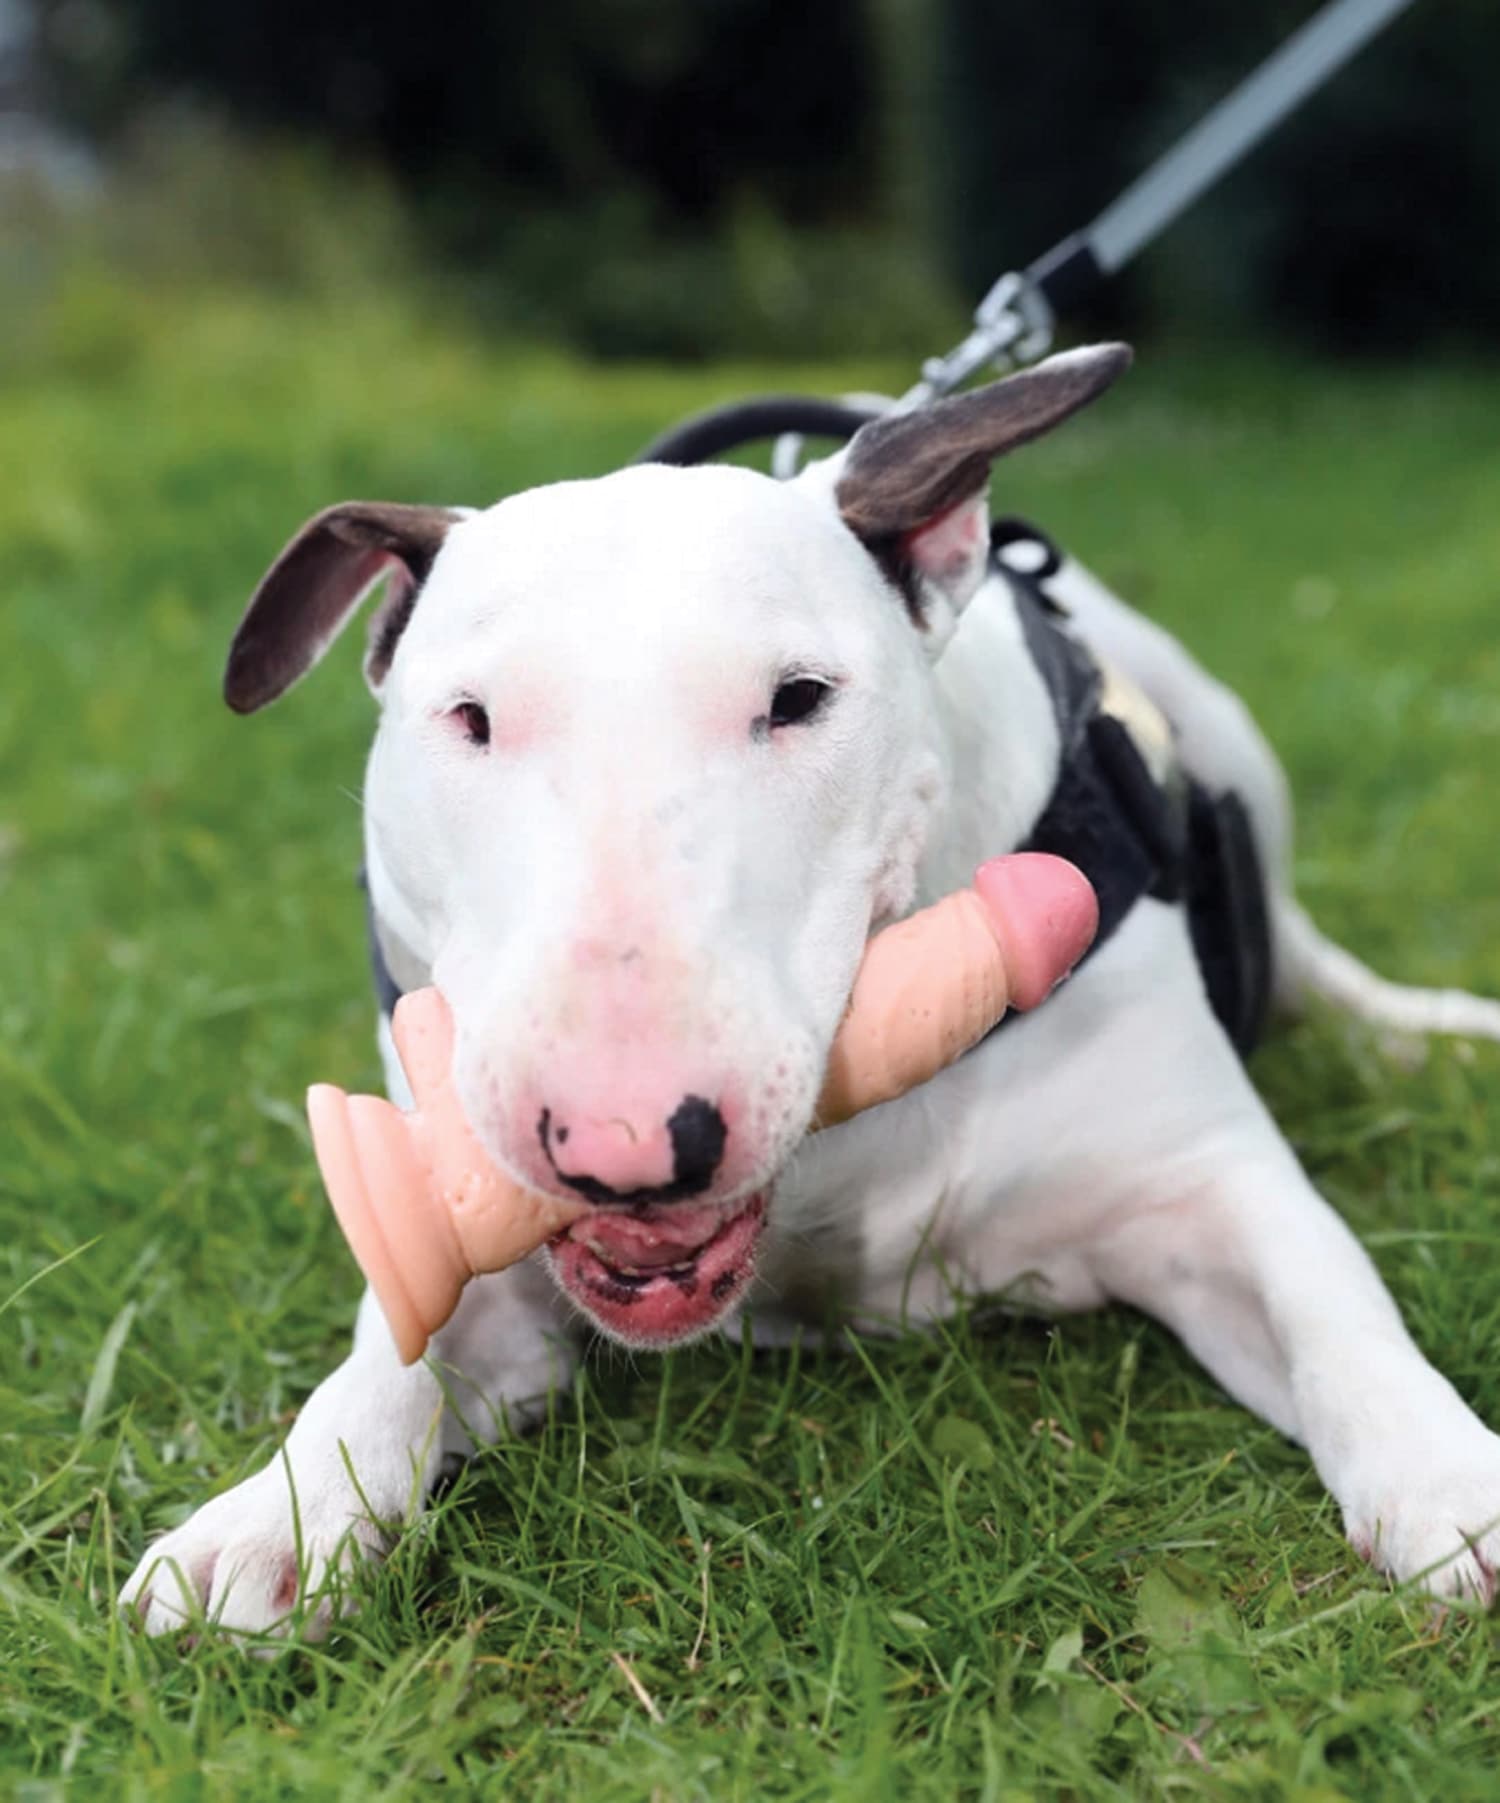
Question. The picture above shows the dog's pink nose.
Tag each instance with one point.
(613, 1157)
(615, 1153)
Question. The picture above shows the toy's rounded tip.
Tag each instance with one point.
(1045, 914)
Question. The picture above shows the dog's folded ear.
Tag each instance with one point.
(308, 594)
(914, 485)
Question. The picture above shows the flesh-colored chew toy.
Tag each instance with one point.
(424, 1210)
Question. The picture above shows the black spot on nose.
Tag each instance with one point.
(698, 1134)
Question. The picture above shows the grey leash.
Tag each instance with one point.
(1013, 323)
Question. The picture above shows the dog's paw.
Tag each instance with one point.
(1435, 1521)
(256, 1561)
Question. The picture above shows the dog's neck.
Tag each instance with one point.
(999, 741)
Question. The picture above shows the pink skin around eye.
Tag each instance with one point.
(745, 713)
(722, 714)
(515, 727)
(516, 722)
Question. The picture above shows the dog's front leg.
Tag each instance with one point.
(1243, 1259)
(358, 1462)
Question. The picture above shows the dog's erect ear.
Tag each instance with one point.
(914, 486)
(310, 591)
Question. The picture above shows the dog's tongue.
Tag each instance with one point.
(654, 1242)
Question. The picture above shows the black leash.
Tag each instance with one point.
(742, 423)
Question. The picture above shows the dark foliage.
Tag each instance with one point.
(626, 170)
(1368, 221)
(535, 104)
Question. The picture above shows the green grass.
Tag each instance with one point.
(1011, 1560)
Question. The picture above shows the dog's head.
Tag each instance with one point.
(655, 753)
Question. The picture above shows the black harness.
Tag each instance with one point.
(1132, 832)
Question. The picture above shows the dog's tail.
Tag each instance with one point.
(1309, 963)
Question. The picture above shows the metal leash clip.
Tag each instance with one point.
(1013, 324)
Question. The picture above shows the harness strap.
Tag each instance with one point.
(1108, 813)
(1228, 917)
(1133, 829)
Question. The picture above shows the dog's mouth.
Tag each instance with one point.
(660, 1275)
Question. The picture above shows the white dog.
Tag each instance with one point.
(656, 753)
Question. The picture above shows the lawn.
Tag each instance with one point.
(1011, 1560)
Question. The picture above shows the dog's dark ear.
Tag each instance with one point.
(308, 594)
(914, 486)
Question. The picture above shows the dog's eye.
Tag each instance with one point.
(472, 721)
(797, 700)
